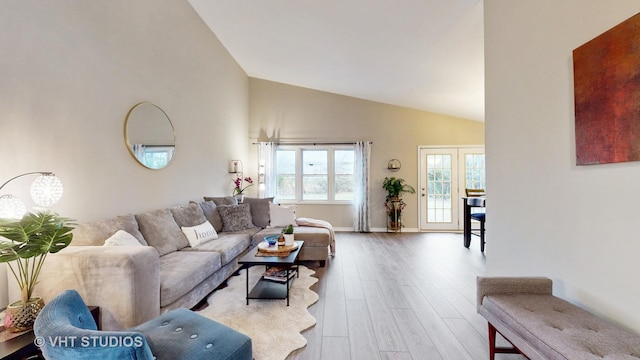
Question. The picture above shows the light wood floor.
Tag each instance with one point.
(398, 296)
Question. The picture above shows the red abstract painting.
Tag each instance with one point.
(606, 74)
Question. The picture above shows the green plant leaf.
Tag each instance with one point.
(24, 245)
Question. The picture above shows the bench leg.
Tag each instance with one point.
(493, 350)
(492, 342)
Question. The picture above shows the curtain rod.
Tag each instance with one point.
(313, 143)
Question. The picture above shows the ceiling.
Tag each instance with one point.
(421, 54)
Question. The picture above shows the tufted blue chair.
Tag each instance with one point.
(65, 329)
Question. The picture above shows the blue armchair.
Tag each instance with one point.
(65, 329)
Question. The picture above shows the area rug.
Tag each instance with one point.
(274, 327)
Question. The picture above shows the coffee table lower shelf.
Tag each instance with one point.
(270, 290)
(267, 289)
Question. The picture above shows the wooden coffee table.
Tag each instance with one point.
(265, 289)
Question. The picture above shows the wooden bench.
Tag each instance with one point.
(541, 326)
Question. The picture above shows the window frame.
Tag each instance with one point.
(331, 173)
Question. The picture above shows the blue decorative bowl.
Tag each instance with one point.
(272, 239)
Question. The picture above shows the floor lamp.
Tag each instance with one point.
(46, 190)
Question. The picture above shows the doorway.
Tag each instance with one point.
(444, 173)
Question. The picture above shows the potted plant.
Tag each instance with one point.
(393, 202)
(288, 235)
(240, 187)
(24, 246)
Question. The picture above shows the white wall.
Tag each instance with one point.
(70, 71)
(577, 225)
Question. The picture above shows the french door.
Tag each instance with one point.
(444, 174)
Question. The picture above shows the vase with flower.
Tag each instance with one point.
(241, 184)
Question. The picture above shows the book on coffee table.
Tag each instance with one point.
(277, 273)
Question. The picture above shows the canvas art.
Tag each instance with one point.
(607, 96)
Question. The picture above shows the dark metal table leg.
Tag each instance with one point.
(247, 296)
(467, 223)
(288, 269)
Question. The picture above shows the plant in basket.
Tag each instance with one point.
(24, 245)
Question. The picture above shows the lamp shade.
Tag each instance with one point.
(46, 190)
(11, 207)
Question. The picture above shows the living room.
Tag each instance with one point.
(73, 69)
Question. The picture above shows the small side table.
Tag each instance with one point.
(22, 347)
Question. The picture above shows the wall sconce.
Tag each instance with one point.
(235, 166)
(394, 165)
(46, 190)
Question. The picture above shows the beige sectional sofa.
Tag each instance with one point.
(157, 269)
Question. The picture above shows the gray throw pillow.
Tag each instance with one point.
(225, 200)
(259, 210)
(161, 231)
(211, 213)
(188, 215)
(235, 217)
(95, 233)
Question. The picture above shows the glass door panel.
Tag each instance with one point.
(439, 211)
(444, 174)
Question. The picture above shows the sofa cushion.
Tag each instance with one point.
(199, 234)
(222, 200)
(95, 233)
(211, 213)
(228, 245)
(235, 217)
(161, 231)
(259, 210)
(188, 215)
(282, 215)
(122, 238)
(182, 271)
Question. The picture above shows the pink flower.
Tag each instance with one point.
(239, 186)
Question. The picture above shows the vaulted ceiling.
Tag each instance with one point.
(421, 54)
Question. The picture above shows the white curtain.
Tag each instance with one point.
(267, 170)
(139, 151)
(361, 214)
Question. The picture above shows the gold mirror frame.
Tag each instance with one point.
(150, 136)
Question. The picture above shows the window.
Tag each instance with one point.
(315, 174)
(474, 171)
(157, 157)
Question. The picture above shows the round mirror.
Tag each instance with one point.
(149, 135)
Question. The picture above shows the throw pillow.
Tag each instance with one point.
(259, 210)
(225, 200)
(282, 215)
(235, 217)
(121, 238)
(94, 233)
(199, 234)
(161, 231)
(188, 215)
(211, 214)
